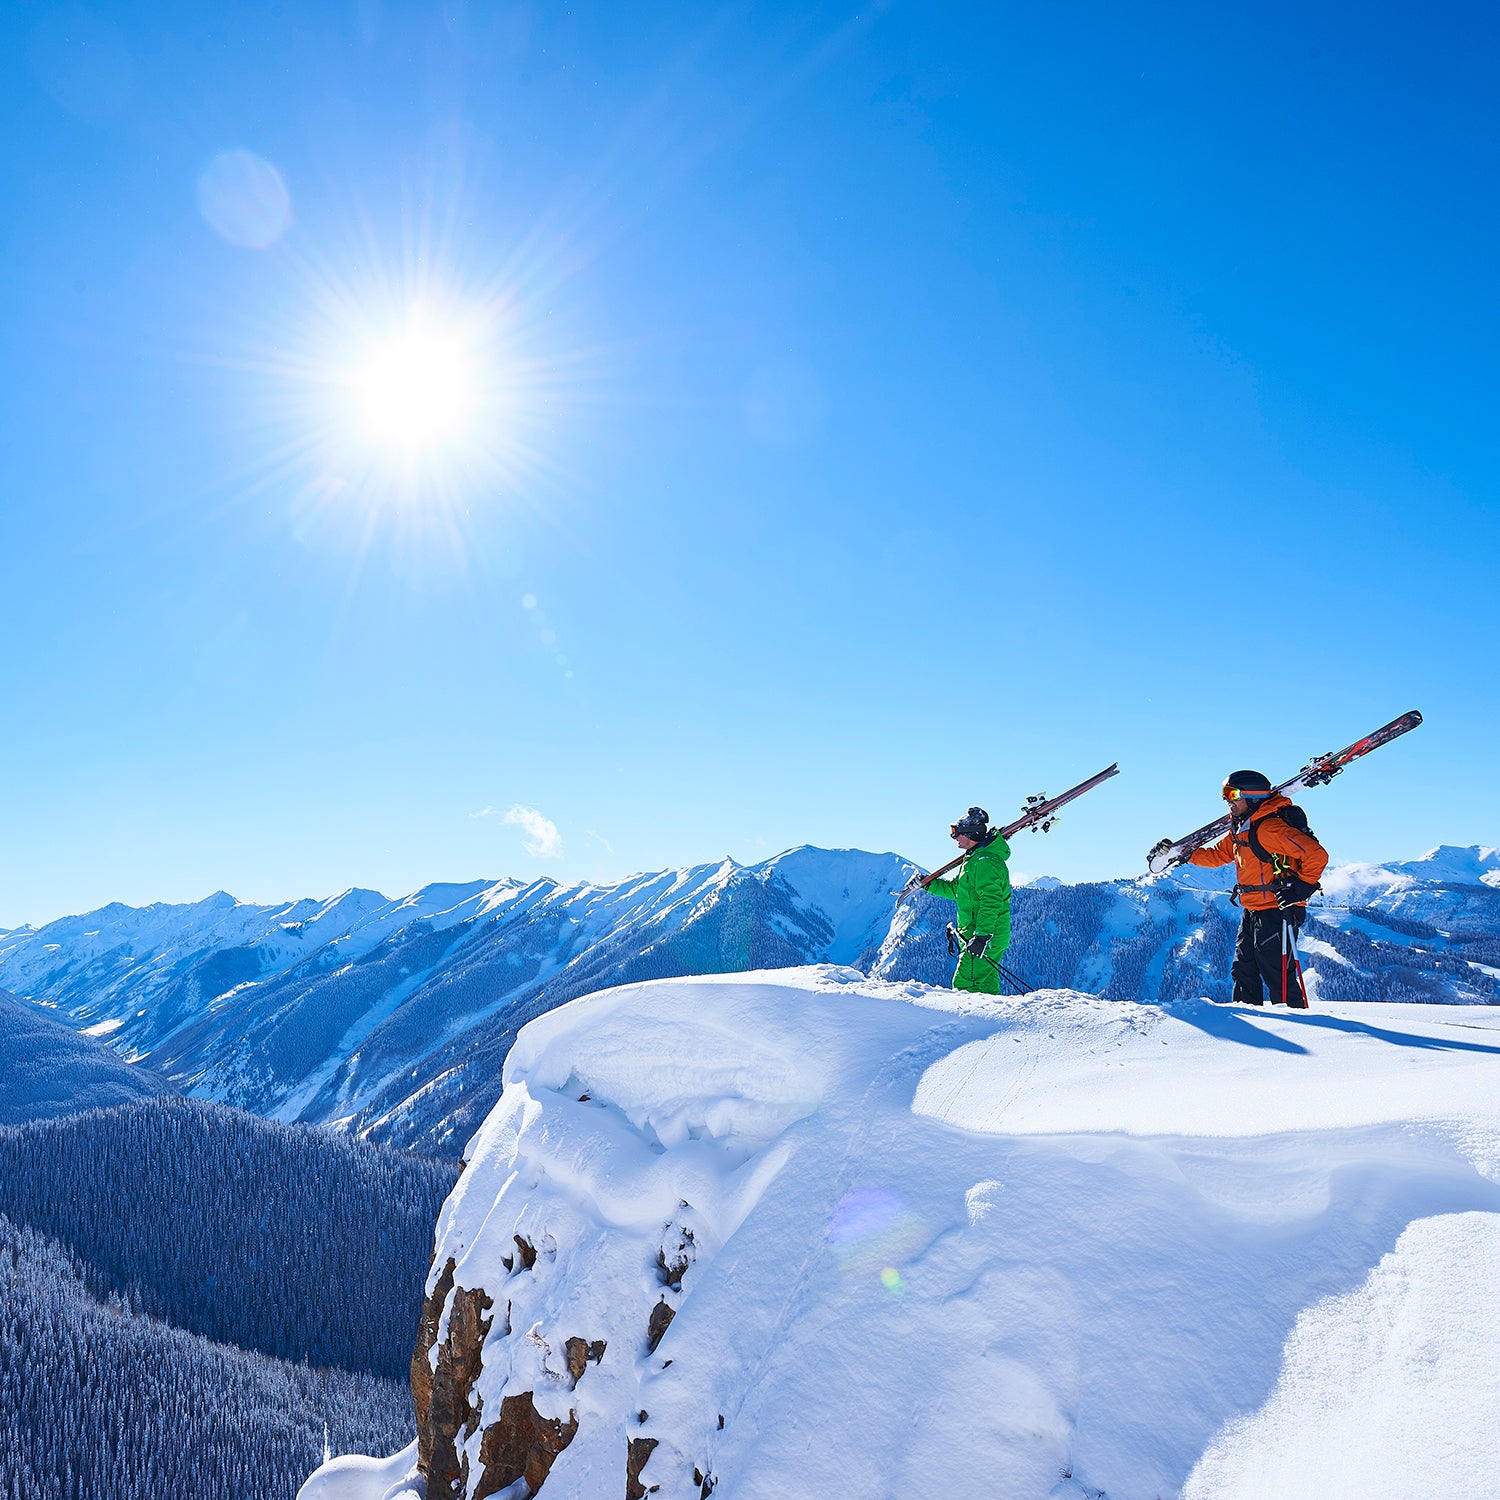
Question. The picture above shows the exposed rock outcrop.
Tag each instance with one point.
(596, 1200)
(639, 1450)
(521, 1443)
(442, 1389)
(580, 1353)
(657, 1325)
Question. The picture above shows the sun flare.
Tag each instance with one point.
(408, 404)
(418, 390)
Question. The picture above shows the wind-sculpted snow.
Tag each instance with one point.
(393, 1018)
(808, 1233)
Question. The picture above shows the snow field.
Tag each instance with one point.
(1383, 1387)
(920, 1243)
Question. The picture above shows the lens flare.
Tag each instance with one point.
(244, 200)
(863, 1214)
(872, 1230)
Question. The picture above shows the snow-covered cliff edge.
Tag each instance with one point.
(802, 1233)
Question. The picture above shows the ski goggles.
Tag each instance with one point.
(1234, 794)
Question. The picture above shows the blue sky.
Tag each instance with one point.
(883, 411)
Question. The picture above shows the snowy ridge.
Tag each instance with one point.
(145, 951)
(1078, 1247)
(1445, 867)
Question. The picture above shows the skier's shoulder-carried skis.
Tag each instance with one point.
(1039, 813)
(1320, 769)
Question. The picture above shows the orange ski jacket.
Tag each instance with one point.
(1292, 853)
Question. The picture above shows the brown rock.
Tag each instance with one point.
(671, 1271)
(661, 1320)
(441, 1397)
(521, 1445)
(427, 1327)
(671, 1266)
(637, 1452)
(580, 1353)
(525, 1252)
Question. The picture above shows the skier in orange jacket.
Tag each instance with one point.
(1278, 863)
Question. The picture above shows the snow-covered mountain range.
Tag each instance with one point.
(393, 1017)
(1175, 1238)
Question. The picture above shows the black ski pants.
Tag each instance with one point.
(1265, 952)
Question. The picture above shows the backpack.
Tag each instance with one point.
(1292, 815)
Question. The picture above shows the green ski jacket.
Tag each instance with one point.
(982, 889)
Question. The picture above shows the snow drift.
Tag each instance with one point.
(804, 1233)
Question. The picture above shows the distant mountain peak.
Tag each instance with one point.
(1465, 864)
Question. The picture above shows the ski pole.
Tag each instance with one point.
(1283, 960)
(957, 944)
(1016, 979)
(1297, 965)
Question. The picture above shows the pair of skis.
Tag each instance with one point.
(1038, 813)
(1319, 770)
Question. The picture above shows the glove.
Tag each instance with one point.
(1292, 890)
(976, 945)
(1164, 847)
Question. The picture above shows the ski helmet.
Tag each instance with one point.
(973, 825)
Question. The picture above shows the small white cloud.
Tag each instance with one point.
(539, 834)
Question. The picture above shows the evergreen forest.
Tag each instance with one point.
(188, 1294)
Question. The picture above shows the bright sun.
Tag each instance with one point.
(419, 389)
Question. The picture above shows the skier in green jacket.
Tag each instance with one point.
(982, 889)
